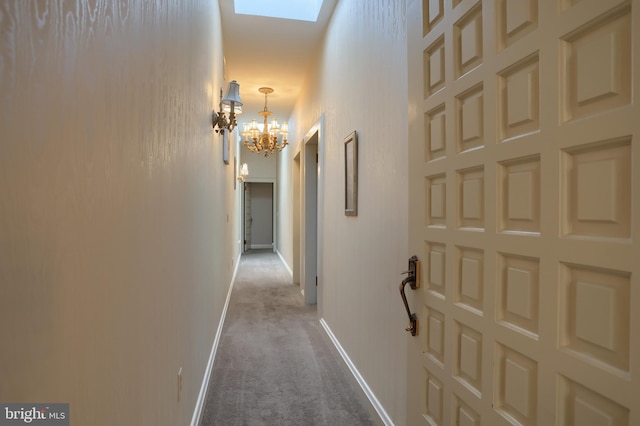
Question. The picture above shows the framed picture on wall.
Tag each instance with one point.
(225, 146)
(351, 174)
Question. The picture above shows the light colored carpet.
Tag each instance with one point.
(273, 365)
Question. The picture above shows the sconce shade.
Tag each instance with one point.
(233, 94)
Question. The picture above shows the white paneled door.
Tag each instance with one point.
(525, 200)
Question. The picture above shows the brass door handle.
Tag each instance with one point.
(414, 283)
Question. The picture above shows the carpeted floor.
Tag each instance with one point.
(274, 366)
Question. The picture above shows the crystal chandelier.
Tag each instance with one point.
(267, 141)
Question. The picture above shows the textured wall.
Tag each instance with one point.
(261, 168)
(116, 207)
(360, 83)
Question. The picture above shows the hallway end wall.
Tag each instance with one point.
(117, 211)
(359, 82)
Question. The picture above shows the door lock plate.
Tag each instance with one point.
(414, 271)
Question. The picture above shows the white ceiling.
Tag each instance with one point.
(261, 51)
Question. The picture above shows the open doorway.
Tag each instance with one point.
(258, 215)
(310, 230)
(308, 192)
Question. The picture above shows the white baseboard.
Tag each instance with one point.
(284, 262)
(384, 417)
(261, 246)
(202, 396)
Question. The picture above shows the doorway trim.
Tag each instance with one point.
(273, 214)
(296, 264)
(312, 217)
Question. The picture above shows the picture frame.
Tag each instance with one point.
(351, 174)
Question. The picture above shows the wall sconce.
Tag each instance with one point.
(230, 104)
(244, 172)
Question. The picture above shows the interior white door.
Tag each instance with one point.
(261, 215)
(525, 199)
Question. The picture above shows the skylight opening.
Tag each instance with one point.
(299, 10)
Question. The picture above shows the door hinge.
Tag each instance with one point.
(317, 158)
(316, 281)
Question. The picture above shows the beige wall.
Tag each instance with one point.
(117, 234)
(360, 83)
(261, 168)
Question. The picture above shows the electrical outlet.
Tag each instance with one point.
(179, 384)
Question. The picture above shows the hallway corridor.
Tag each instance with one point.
(273, 365)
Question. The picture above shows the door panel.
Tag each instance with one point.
(523, 153)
